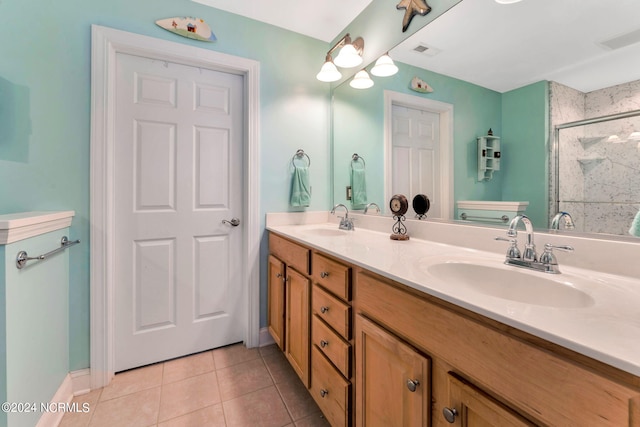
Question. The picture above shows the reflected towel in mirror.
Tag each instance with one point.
(635, 226)
(358, 188)
(300, 188)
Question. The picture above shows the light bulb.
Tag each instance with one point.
(348, 57)
(361, 80)
(329, 73)
(384, 67)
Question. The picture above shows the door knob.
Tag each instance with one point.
(234, 221)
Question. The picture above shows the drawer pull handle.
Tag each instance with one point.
(324, 309)
(450, 414)
(280, 276)
(324, 343)
(323, 393)
(412, 385)
(324, 274)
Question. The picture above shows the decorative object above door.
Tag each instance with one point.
(192, 28)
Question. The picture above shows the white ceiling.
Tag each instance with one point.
(500, 47)
(503, 47)
(322, 19)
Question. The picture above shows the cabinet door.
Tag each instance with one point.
(275, 305)
(393, 379)
(297, 342)
(470, 407)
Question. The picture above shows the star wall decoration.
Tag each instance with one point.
(412, 8)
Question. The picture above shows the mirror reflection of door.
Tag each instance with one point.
(416, 155)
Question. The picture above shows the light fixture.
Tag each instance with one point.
(507, 1)
(384, 66)
(329, 73)
(349, 56)
(635, 136)
(361, 80)
(614, 139)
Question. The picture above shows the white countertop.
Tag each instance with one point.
(607, 330)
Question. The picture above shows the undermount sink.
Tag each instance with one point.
(529, 288)
(325, 231)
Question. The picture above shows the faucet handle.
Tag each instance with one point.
(565, 248)
(549, 259)
(513, 252)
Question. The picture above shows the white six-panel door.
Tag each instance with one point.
(178, 156)
(416, 161)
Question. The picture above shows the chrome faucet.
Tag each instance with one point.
(568, 221)
(529, 259)
(529, 248)
(366, 208)
(346, 223)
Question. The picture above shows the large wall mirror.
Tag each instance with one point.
(498, 67)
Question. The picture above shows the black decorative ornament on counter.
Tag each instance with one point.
(421, 205)
(399, 206)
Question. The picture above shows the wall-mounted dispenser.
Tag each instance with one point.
(488, 156)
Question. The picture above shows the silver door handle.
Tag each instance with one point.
(234, 221)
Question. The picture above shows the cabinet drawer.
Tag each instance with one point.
(332, 275)
(332, 345)
(330, 390)
(333, 311)
(291, 253)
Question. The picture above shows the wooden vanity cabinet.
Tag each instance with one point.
(470, 407)
(393, 379)
(289, 303)
(276, 298)
(331, 336)
(489, 373)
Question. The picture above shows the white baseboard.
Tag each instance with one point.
(73, 384)
(265, 338)
(63, 395)
(81, 381)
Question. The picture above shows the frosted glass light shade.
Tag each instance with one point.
(361, 80)
(384, 67)
(615, 139)
(348, 57)
(635, 136)
(329, 73)
(507, 1)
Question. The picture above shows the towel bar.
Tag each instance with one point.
(355, 158)
(23, 257)
(300, 154)
(503, 218)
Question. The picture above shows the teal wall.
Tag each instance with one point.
(35, 308)
(358, 118)
(45, 112)
(525, 146)
(519, 117)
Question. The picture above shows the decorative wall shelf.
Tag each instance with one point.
(488, 156)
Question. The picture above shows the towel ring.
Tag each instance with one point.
(300, 154)
(355, 158)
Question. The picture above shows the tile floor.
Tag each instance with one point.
(230, 386)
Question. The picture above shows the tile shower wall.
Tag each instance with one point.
(599, 180)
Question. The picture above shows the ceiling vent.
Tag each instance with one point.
(426, 50)
(622, 40)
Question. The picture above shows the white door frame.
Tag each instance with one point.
(445, 111)
(106, 43)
